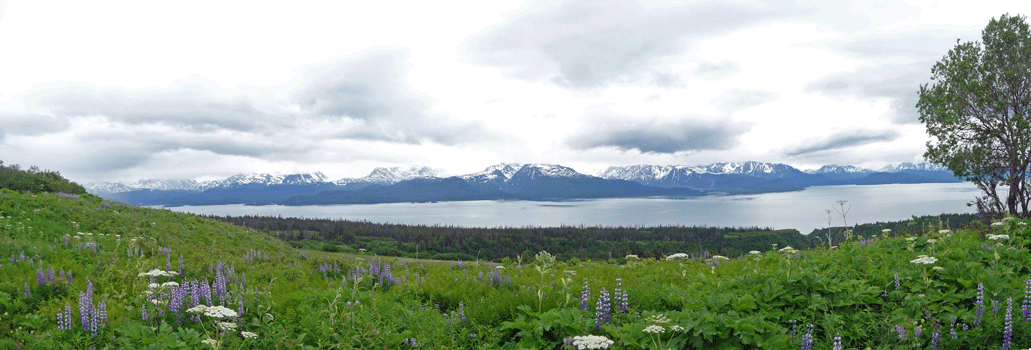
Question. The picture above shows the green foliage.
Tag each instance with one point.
(34, 180)
(298, 299)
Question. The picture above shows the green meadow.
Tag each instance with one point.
(79, 272)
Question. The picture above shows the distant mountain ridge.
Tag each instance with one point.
(509, 181)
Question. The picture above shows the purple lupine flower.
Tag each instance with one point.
(952, 329)
(143, 312)
(27, 294)
(1027, 301)
(794, 330)
(67, 317)
(995, 308)
(980, 305)
(585, 296)
(837, 343)
(60, 321)
(102, 313)
(917, 331)
(900, 331)
(897, 283)
(1007, 333)
(936, 339)
(807, 339)
(461, 311)
(603, 311)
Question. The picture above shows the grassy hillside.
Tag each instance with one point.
(874, 293)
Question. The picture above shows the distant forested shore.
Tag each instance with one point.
(566, 242)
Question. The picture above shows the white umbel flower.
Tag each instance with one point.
(219, 312)
(249, 335)
(677, 256)
(583, 342)
(654, 329)
(924, 259)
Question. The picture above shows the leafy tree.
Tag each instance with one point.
(976, 110)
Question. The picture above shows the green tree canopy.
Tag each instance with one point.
(976, 111)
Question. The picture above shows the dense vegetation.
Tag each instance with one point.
(462, 243)
(12, 177)
(84, 273)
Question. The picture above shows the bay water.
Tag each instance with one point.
(802, 210)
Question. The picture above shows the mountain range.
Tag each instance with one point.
(510, 181)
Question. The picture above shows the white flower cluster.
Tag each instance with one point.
(938, 268)
(678, 256)
(219, 312)
(197, 309)
(582, 342)
(719, 257)
(997, 223)
(158, 273)
(227, 326)
(657, 319)
(886, 231)
(249, 335)
(654, 329)
(170, 284)
(788, 250)
(924, 259)
(676, 328)
(932, 241)
(632, 256)
(910, 239)
(945, 232)
(209, 341)
(997, 237)
(755, 252)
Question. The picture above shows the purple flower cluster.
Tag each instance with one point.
(807, 339)
(837, 343)
(64, 319)
(980, 305)
(92, 316)
(897, 283)
(622, 301)
(603, 310)
(251, 256)
(585, 297)
(378, 270)
(936, 339)
(44, 277)
(901, 331)
(952, 329)
(1007, 332)
(1026, 310)
(496, 279)
(410, 341)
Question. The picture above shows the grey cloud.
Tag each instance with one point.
(883, 76)
(371, 89)
(842, 140)
(589, 44)
(31, 124)
(738, 99)
(657, 135)
(195, 103)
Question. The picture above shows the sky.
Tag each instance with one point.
(119, 91)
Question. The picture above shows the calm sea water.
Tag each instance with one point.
(802, 210)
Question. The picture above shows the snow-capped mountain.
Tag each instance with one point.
(266, 179)
(387, 176)
(924, 166)
(533, 171)
(106, 187)
(500, 171)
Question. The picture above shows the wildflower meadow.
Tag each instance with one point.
(83, 273)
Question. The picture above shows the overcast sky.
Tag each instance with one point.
(122, 91)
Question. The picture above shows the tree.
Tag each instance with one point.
(976, 111)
